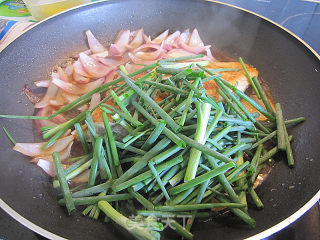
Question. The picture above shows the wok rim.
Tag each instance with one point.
(268, 232)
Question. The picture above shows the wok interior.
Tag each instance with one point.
(284, 64)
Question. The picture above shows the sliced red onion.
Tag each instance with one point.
(123, 38)
(44, 112)
(93, 67)
(47, 166)
(80, 79)
(114, 61)
(66, 134)
(59, 118)
(95, 99)
(78, 68)
(74, 89)
(58, 100)
(76, 56)
(124, 58)
(51, 92)
(133, 67)
(170, 40)
(147, 54)
(121, 43)
(194, 50)
(110, 62)
(115, 50)
(209, 54)
(137, 60)
(184, 41)
(137, 39)
(94, 45)
(62, 75)
(90, 86)
(159, 39)
(64, 154)
(195, 39)
(67, 87)
(178, 52)
(101, 55)
(55, 75)
(83, 108)
(184, 37)
(69, 70)
(111, 75)
(43, 123)
(81, 178)
(163, 55)
(176, 43)
(69, 97)
(147, 47)
(42, 83)
(35, 149)
(146, 38)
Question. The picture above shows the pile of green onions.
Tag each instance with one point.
(183, 155)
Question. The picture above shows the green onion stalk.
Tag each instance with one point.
(145, 229)
(203, 113)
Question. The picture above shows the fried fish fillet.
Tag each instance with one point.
(234, 77)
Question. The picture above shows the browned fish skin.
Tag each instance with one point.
(231, 76)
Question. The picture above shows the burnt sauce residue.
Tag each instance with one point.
(267, 167)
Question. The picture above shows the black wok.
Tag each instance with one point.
(286, 65)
